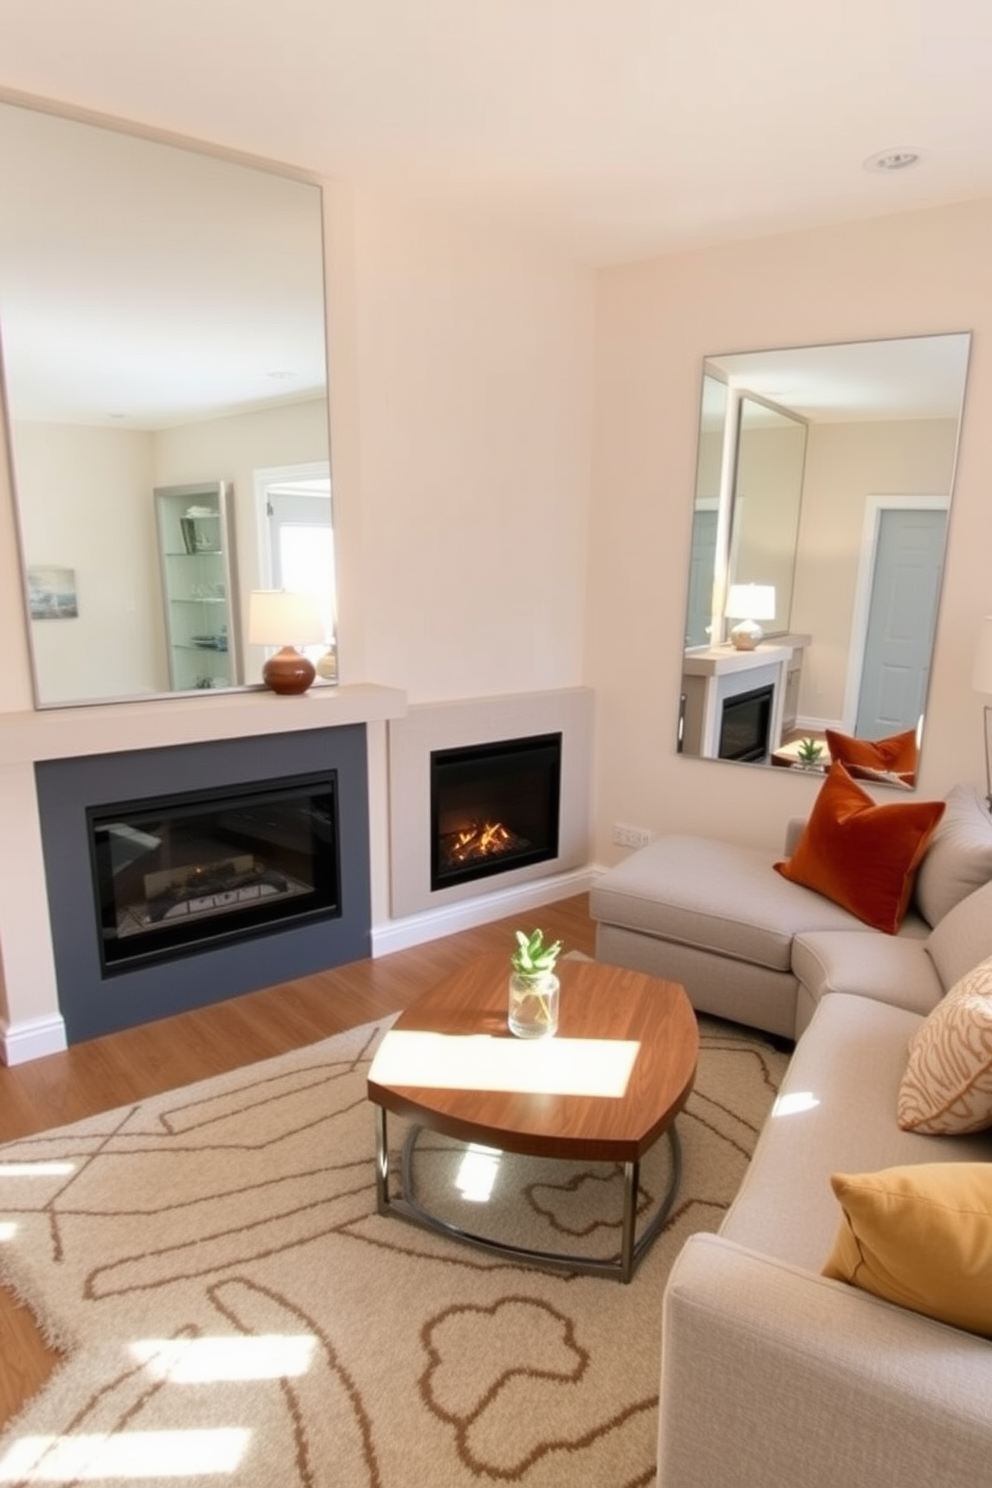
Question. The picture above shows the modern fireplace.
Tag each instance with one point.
(174, 873)
(180, 876)
(744, 725)
(494, 806)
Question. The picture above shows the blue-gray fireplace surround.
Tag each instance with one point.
(93, 1002)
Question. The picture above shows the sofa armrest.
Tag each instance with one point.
(793, 831)
(772, 1374)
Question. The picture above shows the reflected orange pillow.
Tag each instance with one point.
(896, 755)
(862, 856)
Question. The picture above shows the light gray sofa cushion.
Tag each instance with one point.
(890, 968)
(963, 937)
(716, 896)
(835, 1113)
(959, 858)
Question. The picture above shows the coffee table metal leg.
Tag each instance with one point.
(631, 1174)
(381, 1161)
(632, 1246)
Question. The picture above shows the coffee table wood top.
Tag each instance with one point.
(467, 1013)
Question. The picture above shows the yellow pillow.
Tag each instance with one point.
(947, 1087)
(921, 1237)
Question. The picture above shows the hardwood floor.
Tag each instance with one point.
(108, 1072)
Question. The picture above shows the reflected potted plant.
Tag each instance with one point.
(534, 987)
(809, 755)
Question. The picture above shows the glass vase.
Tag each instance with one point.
(533, 1005)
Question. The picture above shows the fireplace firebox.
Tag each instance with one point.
(179, 871)
(494, 806)
(745, 725)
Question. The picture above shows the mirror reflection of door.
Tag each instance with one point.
(902, 617)
(702, 562)
(299, 546)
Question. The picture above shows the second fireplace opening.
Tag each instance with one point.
(494, 807)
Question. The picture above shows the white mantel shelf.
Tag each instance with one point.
(716, 661)
(108, 728)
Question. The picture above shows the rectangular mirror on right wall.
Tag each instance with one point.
(824, 481)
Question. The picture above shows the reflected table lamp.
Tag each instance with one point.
(278, 617)
(981, 681)
(748, 603)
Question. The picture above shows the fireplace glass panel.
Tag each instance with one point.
(178, 872)
(494, 807)
(745, 724)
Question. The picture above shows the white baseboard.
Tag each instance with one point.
(399, 935)
(32, 1039)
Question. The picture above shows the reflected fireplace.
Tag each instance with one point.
(176, 872)
(745, 724)
(494, 807)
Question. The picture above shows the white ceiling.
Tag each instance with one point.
(608, 130)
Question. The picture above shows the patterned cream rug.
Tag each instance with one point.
(234, 1312)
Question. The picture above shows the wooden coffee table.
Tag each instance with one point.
(604, 1089)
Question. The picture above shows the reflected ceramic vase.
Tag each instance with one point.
(533, 1005)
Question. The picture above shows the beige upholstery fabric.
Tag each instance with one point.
(959, 859)
(963, 937)
(715, 984)
(947, 1087)
(773, 1376)
(714, 895)
(835, 1113)
(894, 969)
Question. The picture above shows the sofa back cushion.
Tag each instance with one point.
(959, 858)
(963, 937)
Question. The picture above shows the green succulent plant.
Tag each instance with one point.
(532, 956)
(810, 751)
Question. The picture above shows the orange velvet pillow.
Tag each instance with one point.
(862, 856)
(896, 755)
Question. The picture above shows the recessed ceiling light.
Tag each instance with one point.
(892, 160)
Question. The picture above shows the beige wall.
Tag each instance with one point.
(462, 488)
(86, 513)
(906, 275)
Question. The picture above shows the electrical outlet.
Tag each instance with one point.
(630, 836)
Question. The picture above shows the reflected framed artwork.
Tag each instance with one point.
(52, 593)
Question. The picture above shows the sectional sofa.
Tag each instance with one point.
(774, 1372)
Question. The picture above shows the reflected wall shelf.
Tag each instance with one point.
(196, 539)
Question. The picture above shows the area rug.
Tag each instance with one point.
(233, 1310)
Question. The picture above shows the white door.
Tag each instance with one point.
(702, 566)
(902, 615)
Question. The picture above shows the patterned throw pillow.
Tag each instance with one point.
(947, 1087)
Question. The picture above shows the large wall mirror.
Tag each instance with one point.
(163, 329)
(823, 490)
